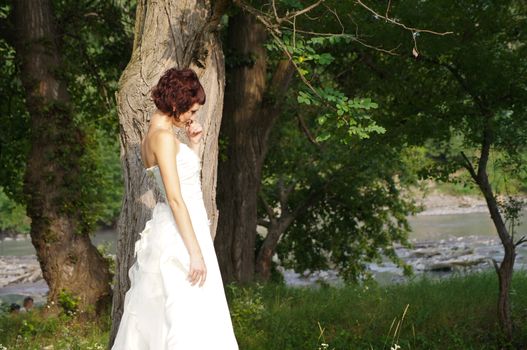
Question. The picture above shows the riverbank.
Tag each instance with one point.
(443, 204)
(435, 259)
(444, 244)
(455, 313)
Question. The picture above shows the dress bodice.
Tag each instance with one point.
(188, 168)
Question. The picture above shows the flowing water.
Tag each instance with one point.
(443, 245)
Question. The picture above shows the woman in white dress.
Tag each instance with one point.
(176, 300)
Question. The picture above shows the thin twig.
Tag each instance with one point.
(393, 21)
(334, 12)
(388, 8)
(300, 12)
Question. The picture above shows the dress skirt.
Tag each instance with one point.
(162, 310)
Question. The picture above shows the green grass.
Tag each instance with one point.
(36, 331)
(454, 313)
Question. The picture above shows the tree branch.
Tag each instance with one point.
(496, 267)
(283, 193)
(469, 167)
(302, 125)
(263, 222)
(461, 81)
(485, 148)
(395, 22)
(267, 207)
(520, 241)
(220, 6)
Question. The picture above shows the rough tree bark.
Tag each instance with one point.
(251, 108)
(68, 259)
(167, 34)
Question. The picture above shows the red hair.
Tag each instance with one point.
(177, 91)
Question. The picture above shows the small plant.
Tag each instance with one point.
(95, 346)
(247, 304)
(68, 302)
(397, 332)
(28, 328)
(322, 345)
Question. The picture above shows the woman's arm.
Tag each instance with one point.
(165, 149)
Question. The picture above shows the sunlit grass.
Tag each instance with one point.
(453, 313)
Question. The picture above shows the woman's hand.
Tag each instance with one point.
(194, 131)
(197, 270)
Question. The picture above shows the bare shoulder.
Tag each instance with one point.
(164, 146)
(161, 138)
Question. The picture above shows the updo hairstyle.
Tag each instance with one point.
(177, 91)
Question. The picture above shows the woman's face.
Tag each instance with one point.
(189, 115)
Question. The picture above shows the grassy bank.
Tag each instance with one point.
(455, 313)
(458, 313)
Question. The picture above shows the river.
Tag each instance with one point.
(444, 245)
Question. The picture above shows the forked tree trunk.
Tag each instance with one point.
(247, 122)
(168, 34)
(506, 268)
(68, 260)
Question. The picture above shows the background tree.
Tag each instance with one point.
(469, 85)
(252, 104)
(53, 181)
(332, 205)
(256, 85)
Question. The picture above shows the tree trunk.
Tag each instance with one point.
(266, 252)
(68, 260)
(167, 34)
(277, 225)
(506, 268)
(250, 111)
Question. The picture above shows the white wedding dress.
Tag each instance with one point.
(162, 310)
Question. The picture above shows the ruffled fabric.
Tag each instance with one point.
(162, 310)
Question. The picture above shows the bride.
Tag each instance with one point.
(176, 300)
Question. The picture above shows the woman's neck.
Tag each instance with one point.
(164, 121)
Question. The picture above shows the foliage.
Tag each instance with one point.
(247, 305)
(12, 215)
(68, 302)
(312, 57)
(354, 208)
(511, 209)
(437, 102)
(36, 330)
(348, 178)
(443, 97)
(95, 40)
(15, 119)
